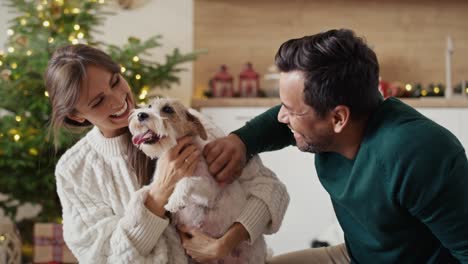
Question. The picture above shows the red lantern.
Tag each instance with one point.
(221, 84)
(249, 83)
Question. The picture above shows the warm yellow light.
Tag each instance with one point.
(101, 1)
(436, 90)
(466, 89)
(143, 95)
(23, 21)
(138, 76)
(76, 27)
(122, 69)
(2, 237)
(51, 39)
(80, 35)
(29, 52)
(46, 23)
(423, 92)
(14, 65)
(75, 10)
(46, 94)
(59, 2)
(18, 118)
(11, 49)
(16, 137)
(33, 152)
(75, 41)
(408, 87)
(1, 63)
(10, 32)
(66, 11)
(135, 59)
(2, 52)
(40, 8)
(12, 131)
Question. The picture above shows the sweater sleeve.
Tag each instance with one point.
(265, 133)
(95, 234)
(438, 197)
(268, 200)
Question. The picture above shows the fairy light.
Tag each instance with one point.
(143, 94)
(122, 69)
(408, 87)
(50, 40)
(1, 63)
(101, 1)
(80, 35)
(76, 27)
(466, 90)
(46, 23)
(75, 10)
(40, 8)
(33, 152)
(423, 92)
(2, 52)
(75, 41)
(16, 137)
(18, 118)
(29, 53)
(14, 65)
(11, 49)
(46, 94)
(138, 76)
(2, 237)
(23, 22)
(66, 11)
(10, 32)
(136, 59)
(436, 90)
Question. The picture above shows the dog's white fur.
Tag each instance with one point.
(197, 201)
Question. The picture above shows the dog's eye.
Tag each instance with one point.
(167, 109)
(149, 106)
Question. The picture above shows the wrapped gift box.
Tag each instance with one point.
(49, 246)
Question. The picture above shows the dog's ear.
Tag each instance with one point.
(197, 125)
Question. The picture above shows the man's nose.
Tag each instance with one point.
(283, 116)
(142, 116)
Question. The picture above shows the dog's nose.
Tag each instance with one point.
(142, 116)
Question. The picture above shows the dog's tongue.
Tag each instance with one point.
(138, 139)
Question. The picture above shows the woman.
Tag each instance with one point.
(110, 213)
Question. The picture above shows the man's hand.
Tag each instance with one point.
(226, 158)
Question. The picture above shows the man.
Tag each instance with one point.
(398, 181)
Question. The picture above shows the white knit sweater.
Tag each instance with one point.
(104, 217)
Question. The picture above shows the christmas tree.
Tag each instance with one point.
(27, 155)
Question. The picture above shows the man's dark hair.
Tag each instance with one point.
(339, 69)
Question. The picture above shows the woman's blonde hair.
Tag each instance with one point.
(64, 75)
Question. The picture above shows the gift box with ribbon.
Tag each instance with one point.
(49, 246)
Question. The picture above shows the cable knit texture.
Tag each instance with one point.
(104, 217)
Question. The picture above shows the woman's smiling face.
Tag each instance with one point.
(105, 100)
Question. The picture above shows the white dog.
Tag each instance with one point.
(197, 201)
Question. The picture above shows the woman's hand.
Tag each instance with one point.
(180, 161)
(203, 248)
(226, 157)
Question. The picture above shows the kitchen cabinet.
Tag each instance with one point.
(310, 211)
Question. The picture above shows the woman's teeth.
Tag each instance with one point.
(124, 108)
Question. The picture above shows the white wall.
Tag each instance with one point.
(171, 19)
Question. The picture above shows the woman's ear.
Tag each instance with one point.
(341, 117)
(76, 118)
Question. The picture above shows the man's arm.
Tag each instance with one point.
(265, 133)
(227, 156)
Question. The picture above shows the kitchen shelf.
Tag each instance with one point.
(430, 102)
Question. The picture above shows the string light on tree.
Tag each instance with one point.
(46, 94)
(136, 59)
(138, 76)
(122, 69)
(46, 23)
(33, 152)
(23, 21)
(16, 137)
(18, 118)
(80, 35)
(11, 49)
(10, 32)
(76, 27)
(50, 40)
(29, 52)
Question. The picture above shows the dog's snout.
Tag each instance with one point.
(142, 116)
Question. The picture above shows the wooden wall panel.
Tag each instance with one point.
(409, 36)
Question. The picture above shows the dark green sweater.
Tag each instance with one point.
(403, 199)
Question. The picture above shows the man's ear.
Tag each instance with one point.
(341, 116)
(197, 125)
(76, 118)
